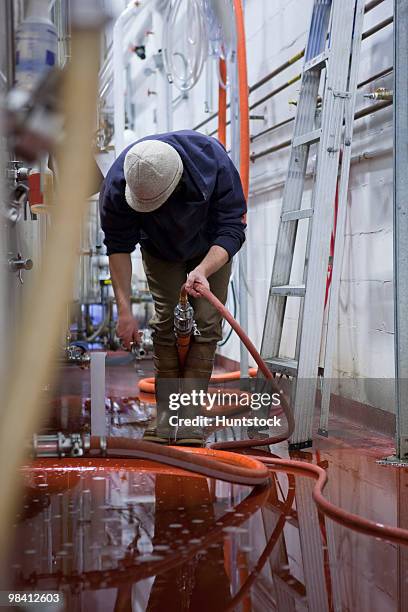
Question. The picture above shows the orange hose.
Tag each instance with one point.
(337, 514)
(222, 104)
(183, 344)
(147, 385)
(239, 469)
(243, 96)
(263, 368)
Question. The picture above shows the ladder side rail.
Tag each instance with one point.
(326, 180)
(334, 296)
(294, 185)
(307, 252)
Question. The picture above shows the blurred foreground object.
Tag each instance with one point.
(31, 127)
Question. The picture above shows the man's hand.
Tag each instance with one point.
(216, 257)
(128, 330)
(196, 277)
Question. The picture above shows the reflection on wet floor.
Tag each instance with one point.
(126, 535)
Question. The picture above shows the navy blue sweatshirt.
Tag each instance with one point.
(206, 208)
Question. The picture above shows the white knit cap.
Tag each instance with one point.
(152, 172)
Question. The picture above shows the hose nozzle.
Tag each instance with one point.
(183, 317)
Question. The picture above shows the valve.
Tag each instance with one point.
(183, 318)
(380, 94)
(59, 445)
(18, 264)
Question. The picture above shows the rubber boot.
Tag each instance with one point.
(167, 381)
(196, 376)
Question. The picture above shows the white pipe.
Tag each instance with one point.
(132, 10)
(163, 87)
(98, 415)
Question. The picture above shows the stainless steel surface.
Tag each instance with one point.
(9, 41)
(183, 319)
(98, 416)
(401, 223)
(60, 445)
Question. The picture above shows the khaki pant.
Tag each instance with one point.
(165, 279)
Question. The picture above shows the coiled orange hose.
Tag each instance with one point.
(238, 469)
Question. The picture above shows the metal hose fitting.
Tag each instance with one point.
(59, 445)
(183, 318)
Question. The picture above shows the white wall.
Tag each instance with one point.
(276, 30)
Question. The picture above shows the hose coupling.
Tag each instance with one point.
(183, 318)
(381, 93)
(60, 445)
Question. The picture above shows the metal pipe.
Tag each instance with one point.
(270, 95)
(274, 127)
(372, 109)
(296, 78)
(278, 70)
(294, 59)
(375, 77)
(118, 72)
(278, 147)
(258, 84)
(371, 5)
(98, 415)
(366, 34)
(119, 79)
(276, 91)
(361, 113)
(377, 27)
(10, 43)
(358, 158)
(207, 120)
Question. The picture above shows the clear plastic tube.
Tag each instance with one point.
(194, 55)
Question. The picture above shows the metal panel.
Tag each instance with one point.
(401, 222)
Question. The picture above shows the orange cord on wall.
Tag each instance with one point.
(222, 104)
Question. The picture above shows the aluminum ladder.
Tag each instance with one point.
(331, 66)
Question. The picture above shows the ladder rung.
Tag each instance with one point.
(317, 62)
(282, 365)
(289, 290)
(295, 215)
(308, 138)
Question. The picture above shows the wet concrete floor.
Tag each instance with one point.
(126, 535)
